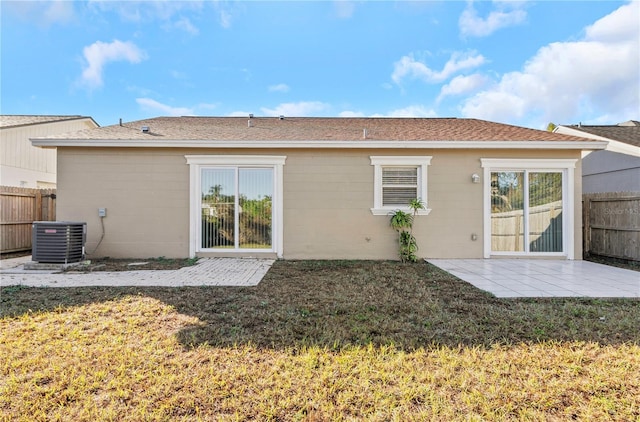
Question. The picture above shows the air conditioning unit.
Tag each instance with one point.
(58, 242)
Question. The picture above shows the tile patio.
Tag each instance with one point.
(544, 278)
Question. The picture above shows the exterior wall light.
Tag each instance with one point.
(475, 178)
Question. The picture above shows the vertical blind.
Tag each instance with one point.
(545, 212)
(218, 208)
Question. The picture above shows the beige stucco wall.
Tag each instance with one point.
(329, 194)
(146, 193)
(327, 199)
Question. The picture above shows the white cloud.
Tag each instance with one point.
(185, 24)
(239, 114)
(98, 54)
(151, 11)
(144, 10)
(154, 106)
(344, 9)
(300, 109)
(568, 81)
(473, 25)
(462, 85)
(59, 11)
(410, 68)
(618, 26)
(176, 74)
(279, 88)
(348, 113)
(42, 13)
(410, 111)
(224, 15)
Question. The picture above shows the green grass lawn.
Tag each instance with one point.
(316, 341)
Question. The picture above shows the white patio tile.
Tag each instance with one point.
(543, 278)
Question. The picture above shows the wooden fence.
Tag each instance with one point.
(19, 208)
(611, 225)
(545, 229)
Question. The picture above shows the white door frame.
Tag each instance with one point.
(197, 162)
(567, 166)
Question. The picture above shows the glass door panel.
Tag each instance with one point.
(545, 212)
(507, 211)
(218, 208)
(255, 210)
(526, 211)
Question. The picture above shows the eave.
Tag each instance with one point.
(284, 144)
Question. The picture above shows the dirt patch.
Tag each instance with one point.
(110, 264)
(337, 304)
(12, 255)
(614, 262)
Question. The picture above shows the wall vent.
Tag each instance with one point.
(58, 242)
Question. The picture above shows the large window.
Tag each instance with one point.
(236, 203)
(529, 207)
(398, 181)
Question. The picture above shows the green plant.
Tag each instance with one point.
(402, 222)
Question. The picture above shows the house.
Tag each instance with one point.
(616, 168)
(611, 190)
(321, 188)
(24, 165)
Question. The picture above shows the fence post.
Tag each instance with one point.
(51, 209)
(586, 225)
(38, 206)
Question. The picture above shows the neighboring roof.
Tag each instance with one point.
(7, 121)
(627, 132)
(315, 132)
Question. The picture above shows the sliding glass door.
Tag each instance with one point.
(236, 208)
(526, 211)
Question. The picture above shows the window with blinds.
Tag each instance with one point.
(399, 185)
(398, 180)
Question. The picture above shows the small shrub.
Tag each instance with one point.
(402, 222)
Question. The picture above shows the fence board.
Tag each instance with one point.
(611, 225)
(19, 208)
(507, 228)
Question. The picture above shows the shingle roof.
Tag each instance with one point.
(7, 121)
(316, 129)
(627, 132)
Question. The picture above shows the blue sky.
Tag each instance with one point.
(524, 63)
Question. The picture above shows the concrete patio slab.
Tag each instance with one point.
(544, 278)
(207, 272)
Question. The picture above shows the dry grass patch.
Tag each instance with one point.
(316, 341)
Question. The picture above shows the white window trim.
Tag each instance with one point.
(531, 164)
(197, 162)
(422, 162)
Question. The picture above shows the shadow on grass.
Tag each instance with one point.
(335, 304)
